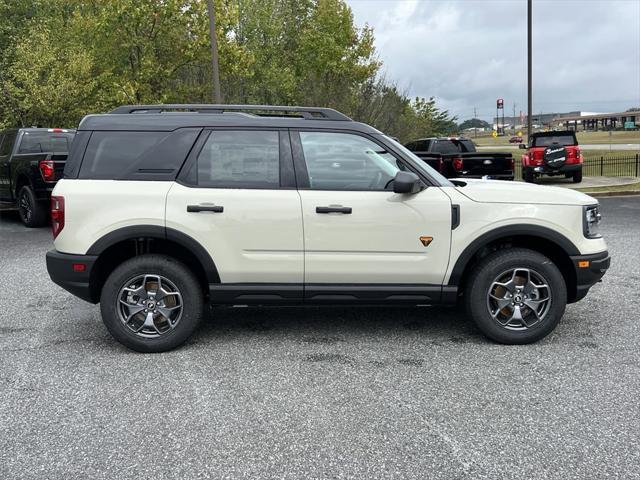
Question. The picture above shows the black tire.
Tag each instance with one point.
(179, 275)
(32, 213)
(527, 175)
(577, 176)
(482, 279)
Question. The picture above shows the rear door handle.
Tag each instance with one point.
(205, 208)
(334, 209)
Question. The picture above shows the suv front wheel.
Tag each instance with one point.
(516, 296)
(151, 303)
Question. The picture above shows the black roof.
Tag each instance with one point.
(171, 117)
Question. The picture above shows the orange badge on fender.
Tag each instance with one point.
(426, 240)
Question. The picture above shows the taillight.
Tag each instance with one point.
(57, 215)
(457, 163)
(47, 170)
(578, 155)
(441, 165)
(537, 157)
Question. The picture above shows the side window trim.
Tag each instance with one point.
(299, 162)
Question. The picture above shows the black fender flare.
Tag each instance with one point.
(519, 230)
(164, 233)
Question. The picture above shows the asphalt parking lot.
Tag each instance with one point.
(319, 393)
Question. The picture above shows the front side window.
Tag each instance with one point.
(239, 159)
(343, 161)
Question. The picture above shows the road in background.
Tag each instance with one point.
(295, 393)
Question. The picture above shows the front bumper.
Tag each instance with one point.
(589, 270)
(66, 270)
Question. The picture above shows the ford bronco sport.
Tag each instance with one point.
(552, 153)
(165, 207)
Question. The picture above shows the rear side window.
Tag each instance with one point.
(116, 155)
(41, 142)
(239, 159)
(422, 146)
(467, 146)
(7, 143)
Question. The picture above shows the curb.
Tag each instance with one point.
(622, 193)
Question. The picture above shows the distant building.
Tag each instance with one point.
(539, 119)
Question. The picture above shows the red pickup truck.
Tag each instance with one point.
(552, 153)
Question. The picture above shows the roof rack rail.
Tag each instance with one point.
(308, 113)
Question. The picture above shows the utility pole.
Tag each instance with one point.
(217, 97)
(514, 118)
(529, 73)
(475, 127)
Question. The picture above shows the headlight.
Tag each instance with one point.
(591, 221)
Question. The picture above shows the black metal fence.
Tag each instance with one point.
(611, 165)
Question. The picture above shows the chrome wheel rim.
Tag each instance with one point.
(150, 305)
(519, 299)
(25, 207)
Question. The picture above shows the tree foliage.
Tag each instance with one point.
(474, 123)
(62, 59)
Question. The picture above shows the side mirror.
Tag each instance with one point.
(522, 146)
(406, 182)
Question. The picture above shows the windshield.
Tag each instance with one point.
(548, 140)
(417, 161)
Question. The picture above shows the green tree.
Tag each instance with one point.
(474, 123)
(62, 59)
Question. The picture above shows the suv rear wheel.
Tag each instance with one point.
(516, 296)
(577, 176)
(527, 175)
(151, 303)
(32, 212)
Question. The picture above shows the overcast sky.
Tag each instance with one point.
(468, 53)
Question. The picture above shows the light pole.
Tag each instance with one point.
(217, 97)
(529, 75)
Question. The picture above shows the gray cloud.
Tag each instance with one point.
(467, 53)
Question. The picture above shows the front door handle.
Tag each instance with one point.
(205, 208)
(334, 209)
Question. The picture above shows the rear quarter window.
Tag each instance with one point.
(148, 155)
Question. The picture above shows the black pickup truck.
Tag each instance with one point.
(31, 162)
(456, 157)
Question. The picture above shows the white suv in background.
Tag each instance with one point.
(165, 207)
